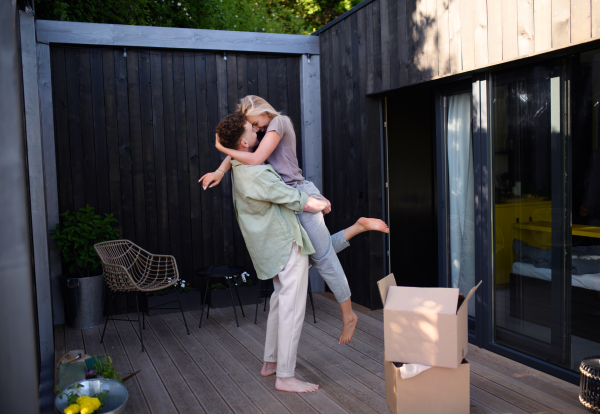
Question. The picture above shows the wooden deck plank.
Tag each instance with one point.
(116, 351)
(490, 400)
(530, 392)
(205, 393)
(347, 365)
(256, 391)
(306, 369)
(319, 401)
(543, 382)
(369, 348)
(334, 307)
(224, 329)
(332, 369)
(178, 389)
(322, 309)
(376, 314)
(73, 339)
(150, 382)
(59, 347)
(523, 402)
(232, 394)
(91, 340)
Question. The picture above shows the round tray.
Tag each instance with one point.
(113, 404)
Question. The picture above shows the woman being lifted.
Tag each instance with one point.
(278, 148)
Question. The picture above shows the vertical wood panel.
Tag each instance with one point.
(480, 21)
(75, 139)
(226, 183)
(293, 95)
(510, 46)
(526, 31)
(413, 41)
(369, 63)
(431, 33)
(124, 146)
(157, 66)
(252, 75)
(148, 152)
(192, 160)
(443, 37)
(494, 30)
(205, 143)
(467, 34)
(542, 20)
(455, 36)
(217, 95)
(581, 18)
(170, 155)
(87, 128)
(395, 46)
(595, 18)
(99, 116)
(112, 142)
(402, 42)
(385, 43)
(182, 166)
(137, 153)
(561, 23)
(376, 46)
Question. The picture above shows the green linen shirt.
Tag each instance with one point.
(266, 209)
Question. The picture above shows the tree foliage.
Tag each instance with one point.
(269, 16)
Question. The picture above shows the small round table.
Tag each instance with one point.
(218, 271)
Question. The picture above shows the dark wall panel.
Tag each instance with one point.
(134, 134)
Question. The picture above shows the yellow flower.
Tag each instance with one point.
(72, 409)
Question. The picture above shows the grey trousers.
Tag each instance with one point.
(326, 247)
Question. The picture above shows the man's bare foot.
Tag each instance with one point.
(372, 224)
(269, 368)
(291, 384)
(350, 321)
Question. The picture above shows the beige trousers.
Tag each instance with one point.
(286, 315)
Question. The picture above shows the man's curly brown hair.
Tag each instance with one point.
(231, 129)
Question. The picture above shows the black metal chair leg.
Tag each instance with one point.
(137, 302)
(205, 303)
(233, 302)
(144, 311)
(257, 300)
(311, 300)
(182, 314)
(110, 306)
(239, 300)
(209, 298)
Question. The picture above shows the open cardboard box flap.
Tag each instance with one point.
(422, 300)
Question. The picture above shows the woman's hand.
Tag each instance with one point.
(328, 208)
(218, 143)
(212, 179)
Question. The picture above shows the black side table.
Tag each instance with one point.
(218, 271)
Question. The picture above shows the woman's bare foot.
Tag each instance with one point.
(365, 224)
(269, 368)
(291, 384)
(372, 224)
(350, 321)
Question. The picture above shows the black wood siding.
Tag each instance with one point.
(134, 134)
(352, 163)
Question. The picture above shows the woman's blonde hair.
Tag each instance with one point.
(252, 105)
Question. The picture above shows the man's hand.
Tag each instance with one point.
(314, 205)
(327, 209)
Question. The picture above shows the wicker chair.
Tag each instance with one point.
(129, 268)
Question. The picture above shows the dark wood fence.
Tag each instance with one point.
(134, 132)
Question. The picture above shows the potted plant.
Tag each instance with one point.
(83, 286)
(221, 298)
(165, 300)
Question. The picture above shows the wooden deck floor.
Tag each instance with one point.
(216, 368)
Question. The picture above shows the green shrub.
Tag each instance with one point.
(76, 235)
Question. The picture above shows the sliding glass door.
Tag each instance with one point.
(530, 170)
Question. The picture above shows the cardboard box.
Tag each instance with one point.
(436, 390)
(426, 326)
